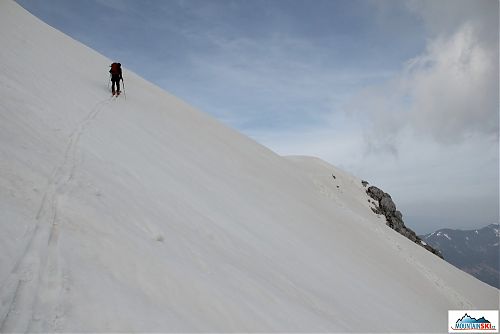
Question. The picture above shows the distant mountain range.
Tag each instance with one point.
(474, 251)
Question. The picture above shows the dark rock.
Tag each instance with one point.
(393, 217)
(364, 183)
(387, 205)
(433, 250)
(375, 193)
(395, 221)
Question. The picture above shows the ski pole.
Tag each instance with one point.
(123, 85)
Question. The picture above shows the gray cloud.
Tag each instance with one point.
(454, 86)
(444, 16)
(450, 90)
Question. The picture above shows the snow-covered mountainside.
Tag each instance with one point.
(143, 214)
(474, 251)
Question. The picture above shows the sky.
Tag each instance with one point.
(403, 94)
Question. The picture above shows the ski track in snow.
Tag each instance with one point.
(38, 265)
(456, 298)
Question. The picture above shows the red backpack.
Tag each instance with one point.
(115, 69)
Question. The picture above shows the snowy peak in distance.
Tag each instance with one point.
(145, 215)
(474, 251)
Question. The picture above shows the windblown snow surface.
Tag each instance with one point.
(143, 214)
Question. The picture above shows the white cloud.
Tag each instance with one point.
(449, 92)
(453, 87)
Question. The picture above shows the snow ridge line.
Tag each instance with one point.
(39, 262)
(457, 299)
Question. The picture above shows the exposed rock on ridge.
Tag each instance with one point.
(394, 218)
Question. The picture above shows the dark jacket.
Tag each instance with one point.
(116, 72)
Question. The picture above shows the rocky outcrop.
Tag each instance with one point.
(394, 218)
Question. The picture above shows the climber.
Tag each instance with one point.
(116, 76)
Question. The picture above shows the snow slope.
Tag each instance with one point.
(143, 214)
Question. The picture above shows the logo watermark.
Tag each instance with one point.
(472, 321)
